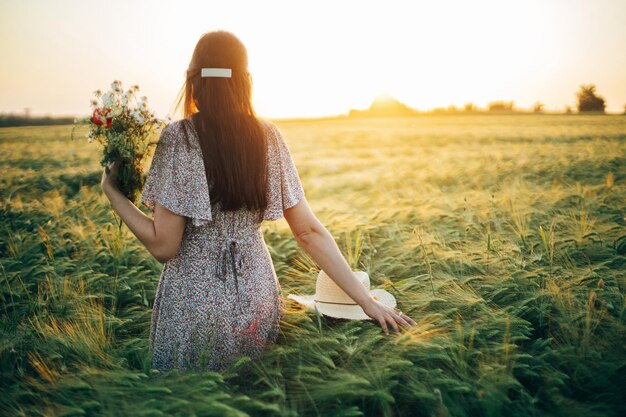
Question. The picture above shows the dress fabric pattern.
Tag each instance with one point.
(219, 297)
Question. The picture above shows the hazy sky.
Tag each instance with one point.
(318, 57)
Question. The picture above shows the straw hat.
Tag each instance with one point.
(329, 299)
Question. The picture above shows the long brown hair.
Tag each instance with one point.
(231, 136)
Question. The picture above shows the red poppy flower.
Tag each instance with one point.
(98, 113)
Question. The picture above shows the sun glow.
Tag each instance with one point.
(319, 59)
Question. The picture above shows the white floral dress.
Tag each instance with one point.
(219, 297)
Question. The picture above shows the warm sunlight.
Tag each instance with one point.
(323, 58)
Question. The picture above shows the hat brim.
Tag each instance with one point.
(340, 311)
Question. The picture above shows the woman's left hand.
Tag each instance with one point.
(110, 180)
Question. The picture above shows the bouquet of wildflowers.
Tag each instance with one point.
(123, 125)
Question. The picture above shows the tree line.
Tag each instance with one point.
(25, 119)
(587, 101)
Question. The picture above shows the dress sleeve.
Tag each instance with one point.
(284, 186)
(176, 179)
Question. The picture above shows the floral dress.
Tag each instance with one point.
(219, 297)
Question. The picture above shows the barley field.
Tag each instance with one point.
(503, 237)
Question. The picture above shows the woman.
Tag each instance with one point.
(218, 296)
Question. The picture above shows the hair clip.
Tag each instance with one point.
(216, 72)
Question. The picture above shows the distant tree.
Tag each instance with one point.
(588, 100)
(568, 109)
(386, 105)
(624, 108)
(538, 107)
(452, 108)
(501, 106)
(469, 107)
(9, 119)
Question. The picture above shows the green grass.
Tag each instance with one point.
(504, 237)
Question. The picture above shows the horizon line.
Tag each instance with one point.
(365, 113)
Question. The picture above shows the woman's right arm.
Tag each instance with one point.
(313, 237)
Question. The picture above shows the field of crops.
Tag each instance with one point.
(503, 237)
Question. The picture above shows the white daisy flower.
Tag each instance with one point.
(107, 99)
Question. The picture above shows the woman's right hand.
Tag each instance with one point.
(384, 314)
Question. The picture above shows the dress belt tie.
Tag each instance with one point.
(231, 248)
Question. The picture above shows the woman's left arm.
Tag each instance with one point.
(162, 235)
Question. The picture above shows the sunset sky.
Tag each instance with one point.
(318, 58)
